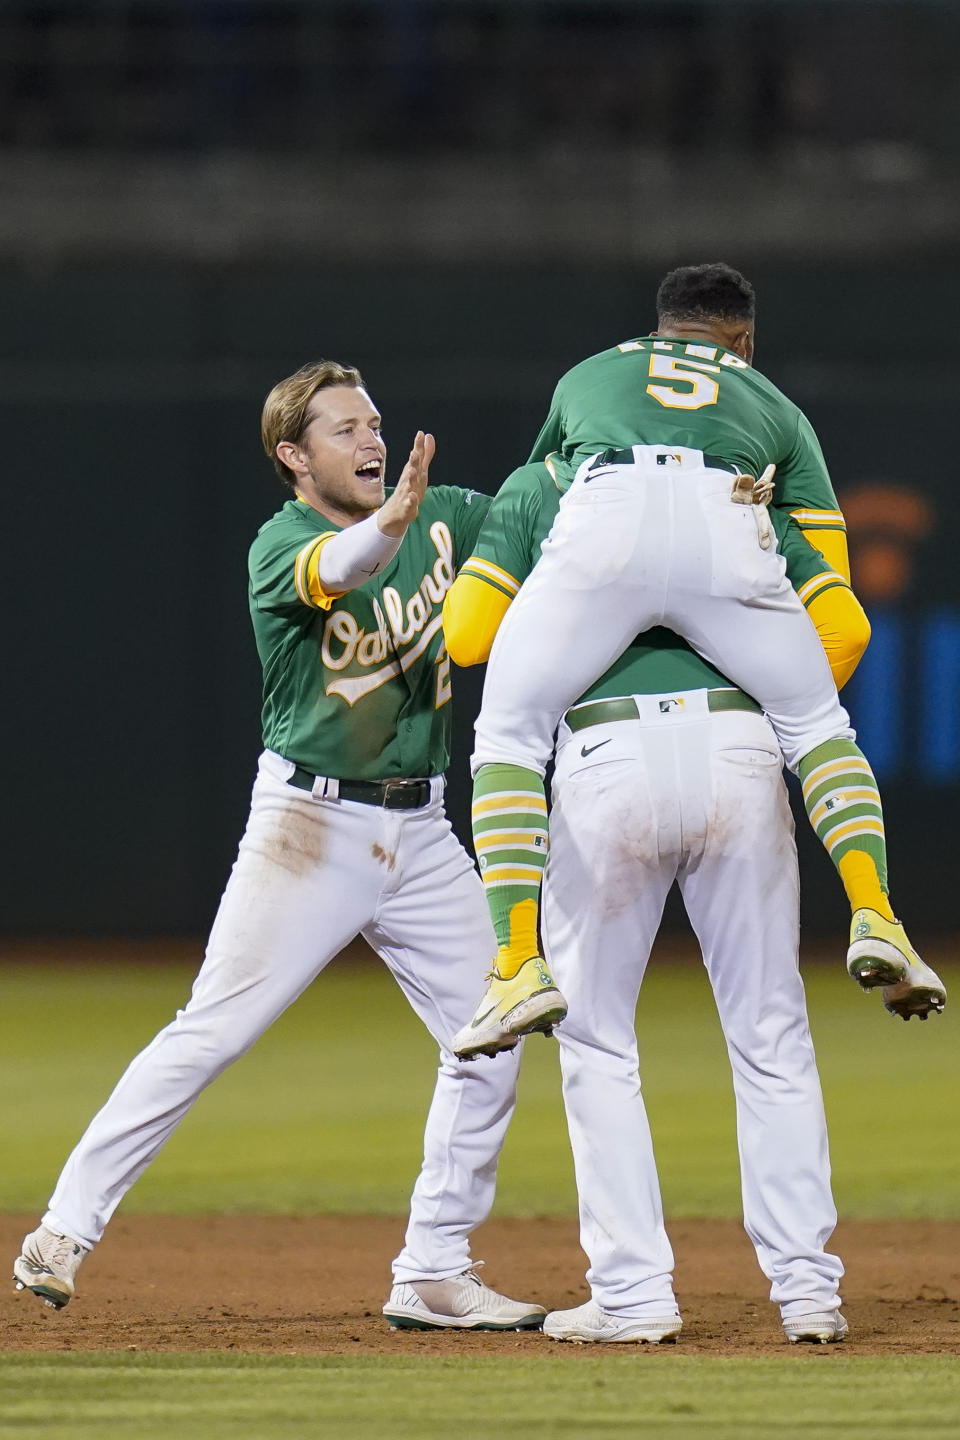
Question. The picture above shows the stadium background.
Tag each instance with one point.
(462, 199)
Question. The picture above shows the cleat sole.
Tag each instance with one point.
(41, 1283)
(612, 1340)
(532, 1016)
(490, 1048)
(53, 1298)
(536, 1015)
(820, 1334)
(869, 971)
(913, 1000)
(406, 1322)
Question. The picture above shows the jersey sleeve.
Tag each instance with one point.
(552, 432)
(465, 511)
(506, 548)
(807, 570)
(804, 491)
(284, 572)
(503, 556)
(473, 611)
(835, 611)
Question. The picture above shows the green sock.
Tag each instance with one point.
(510, 838)
(843, 804)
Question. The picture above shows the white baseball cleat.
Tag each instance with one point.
(823, 1327)
(881, 954)
(588, 1323)
(47, 1266)
(527, 1002)
(461, 1303)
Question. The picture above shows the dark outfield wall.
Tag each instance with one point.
(130, 401)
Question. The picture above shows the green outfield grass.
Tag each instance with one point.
(802, 1397)
(279, 1132)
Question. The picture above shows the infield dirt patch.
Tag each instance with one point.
(314, 1286)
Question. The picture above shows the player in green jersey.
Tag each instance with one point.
(666, 772)
(664, 523)
(346, 836)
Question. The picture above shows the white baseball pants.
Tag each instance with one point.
(647, 544)
(312, 874)
(699, 798)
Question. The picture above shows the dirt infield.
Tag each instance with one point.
(315, 1285)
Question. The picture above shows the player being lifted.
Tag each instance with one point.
(664, 524)
(689, 791)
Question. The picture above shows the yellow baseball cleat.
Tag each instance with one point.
(529, 1001)
(881, 954)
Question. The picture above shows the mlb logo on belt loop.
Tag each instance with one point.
(669, 459)
(666, 706)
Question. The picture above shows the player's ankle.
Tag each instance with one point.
(510, 958)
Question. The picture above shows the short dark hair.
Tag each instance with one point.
(706, 292)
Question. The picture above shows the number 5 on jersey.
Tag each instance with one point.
(695, 373)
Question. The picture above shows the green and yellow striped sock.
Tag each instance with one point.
(843, 805)
(510, 838)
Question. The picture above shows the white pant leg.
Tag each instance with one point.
(582, 604)
(303, 885)
(702, 797)
(732, 601)
(741, 891)
(613, 857)
(433, 930)
(770, 649)
(639, 545)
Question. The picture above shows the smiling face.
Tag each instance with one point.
(339, 458)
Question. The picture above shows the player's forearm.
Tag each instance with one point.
(843, 627)
(832, 544)
(354, 555)
(472, 612)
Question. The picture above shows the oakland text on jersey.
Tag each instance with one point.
(346, 641)
(379, 646)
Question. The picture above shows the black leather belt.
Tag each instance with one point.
(601, 712)
(399, 794)
(627, 457)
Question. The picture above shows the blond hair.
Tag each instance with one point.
(285, 408)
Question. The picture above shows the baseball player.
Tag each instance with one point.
(665, 771)
(346, 836)
(665, 524)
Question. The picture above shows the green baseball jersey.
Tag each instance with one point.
(358, 687)
(659, 660)
(687, 393)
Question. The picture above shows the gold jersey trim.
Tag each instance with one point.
(818, 583)
(819, 519)
(306, 575)
(486, 570)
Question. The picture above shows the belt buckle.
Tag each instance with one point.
(400, 787)
(390, 787)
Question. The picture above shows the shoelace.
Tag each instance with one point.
(63, 1254)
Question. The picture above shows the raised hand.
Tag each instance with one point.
(402, 507)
